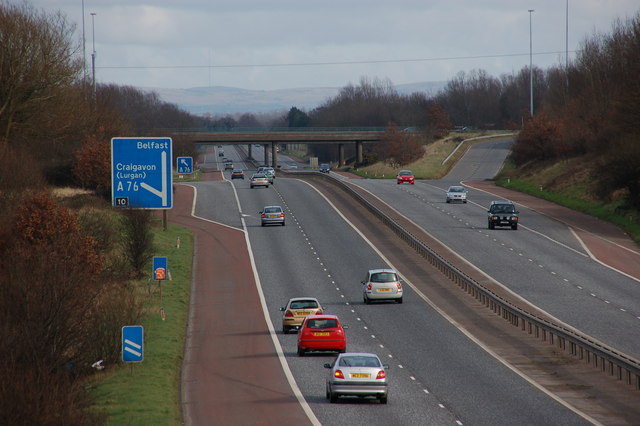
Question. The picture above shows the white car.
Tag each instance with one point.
(381, 284)
(456, 193)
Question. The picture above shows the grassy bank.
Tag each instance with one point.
(569, 184)
(148, 392)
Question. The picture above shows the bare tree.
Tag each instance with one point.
(36, 58)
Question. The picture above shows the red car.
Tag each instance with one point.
(405, 176)
(321, 333)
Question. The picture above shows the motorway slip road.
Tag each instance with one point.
(604, 241)
(231, 371)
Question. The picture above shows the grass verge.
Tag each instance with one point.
(626, 220)
(149, 392)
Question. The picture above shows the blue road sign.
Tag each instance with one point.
(132, 343)
(185, 165)
(159, 268)
(142, 173)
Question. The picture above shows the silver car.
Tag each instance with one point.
(259, 179)
(272, 215)
(357, 374)
(456, 193)
(381, 284)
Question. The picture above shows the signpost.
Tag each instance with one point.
(160, 271)
(142, 173)
(132, 343)
(185, 165)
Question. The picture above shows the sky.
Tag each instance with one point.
(284, 44)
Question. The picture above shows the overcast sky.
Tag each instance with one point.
(276, 44)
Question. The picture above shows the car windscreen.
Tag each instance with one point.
(383, 277)
(456, 189)
(405, 173)
(322, 323)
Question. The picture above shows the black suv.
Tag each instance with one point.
(503, 213)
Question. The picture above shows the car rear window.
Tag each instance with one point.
(359, 361)
(304, 304)
(383, 277)
(322, 323)
(272, 210)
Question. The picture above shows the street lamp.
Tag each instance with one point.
(93, 54)
(530, 67)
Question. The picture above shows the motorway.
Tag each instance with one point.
(439, 375)
(543, 261)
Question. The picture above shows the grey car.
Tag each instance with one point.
(456, 193)
(381, 284)
(272, 215)
(357, 374)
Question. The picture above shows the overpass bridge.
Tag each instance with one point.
(301, 135)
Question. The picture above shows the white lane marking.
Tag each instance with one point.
(274, 338)
(451, 320)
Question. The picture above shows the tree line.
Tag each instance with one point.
(65, 267)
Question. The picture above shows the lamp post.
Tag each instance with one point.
(84, 50)
(530, 66)
(93, 54)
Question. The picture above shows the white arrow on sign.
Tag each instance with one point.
(163, 192)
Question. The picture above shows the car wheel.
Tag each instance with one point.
(514, 227)
(262, 224)
(491, 225)
(333, 398)
(383, 400)
(328, 393)
(366, 300)
(300, 351)
(341, 351)
(282, 223)
(399, 300)
(448, 201)
(465, 201)
(285, 329)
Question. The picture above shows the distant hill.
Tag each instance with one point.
(219, 100)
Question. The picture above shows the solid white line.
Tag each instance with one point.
(454, 322)
(276, 343)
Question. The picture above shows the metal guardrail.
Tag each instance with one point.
(581, 346)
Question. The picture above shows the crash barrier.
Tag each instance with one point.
(578, 345)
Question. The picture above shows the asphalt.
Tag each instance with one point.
(231, 371)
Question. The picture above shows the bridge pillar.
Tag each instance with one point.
(341, 154)
(249, 150)
(274, 155)
(266, 154)
(359, 156)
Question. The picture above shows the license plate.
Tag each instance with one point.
(360, 375)
(384, 289)
(303, 313)
(504, 222)
(320, 334)
(273, 215)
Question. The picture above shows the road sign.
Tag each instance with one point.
(159, 268)
(142, 173)
(132, 343)
(185, 165)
